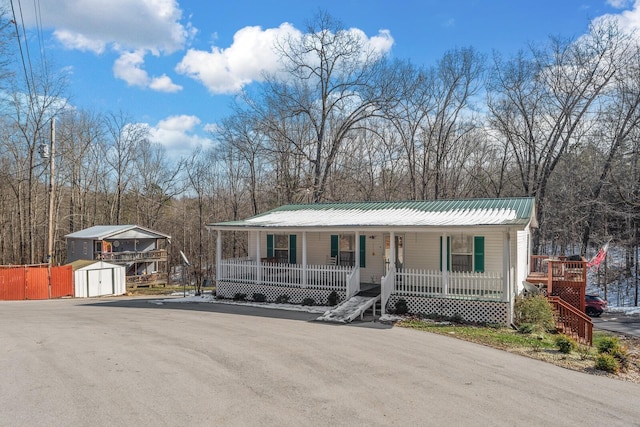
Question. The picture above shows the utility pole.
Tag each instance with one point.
(51, 198)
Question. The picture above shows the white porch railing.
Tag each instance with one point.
(386, 287)
(353, 283)
(460, 285)
(244, 270)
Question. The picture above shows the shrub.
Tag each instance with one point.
(606, 362)
(239, 297)
(282, 299)
(608, 345)
(526, 328)
(457, 318)
(536, 311)
(308, 301)
(257, 297)
(401, 306)
(332, 299)
(566, 344)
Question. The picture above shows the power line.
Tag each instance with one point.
(24, 65)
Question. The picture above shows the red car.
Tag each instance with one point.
(594, 305)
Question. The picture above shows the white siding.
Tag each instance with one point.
(421, 251)
(522, 267)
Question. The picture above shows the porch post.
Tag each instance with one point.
(392, 251)
(258, 257)
(218, 256)
(506, 266)
(506, 271)
(392, 259)
(304, 259)
(443, 265)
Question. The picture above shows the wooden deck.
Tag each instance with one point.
(560, 278)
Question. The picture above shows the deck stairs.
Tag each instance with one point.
(354, 307)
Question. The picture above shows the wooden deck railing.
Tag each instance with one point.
(565, 284)
(147, 280)
(130, 256)
(572, 321)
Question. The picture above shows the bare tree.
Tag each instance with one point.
(157, 181)
(540, 103)
(332, 82)
(121, 152)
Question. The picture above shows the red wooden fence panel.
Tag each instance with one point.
(32, 282)
(62, 281)
(37, 282)
(12, 281)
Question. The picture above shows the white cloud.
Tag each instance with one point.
(72, 40)
(179, 135)
(380, 44)
(619, 4)
(227, 70)
(128, 67)
(132, 28)
(628, 20)
(153, 25)
(164, 84)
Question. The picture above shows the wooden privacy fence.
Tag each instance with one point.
(21, 282)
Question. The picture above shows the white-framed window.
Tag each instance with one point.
(347, 250)
(281, 248)
(461, 252)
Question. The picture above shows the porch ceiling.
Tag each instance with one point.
(384, 215)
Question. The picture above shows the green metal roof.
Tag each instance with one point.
(466, 212)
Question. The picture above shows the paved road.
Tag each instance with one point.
(616, 322)
(131, 362)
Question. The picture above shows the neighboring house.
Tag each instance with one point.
(98, 278)
(142, 251)
(394, 249)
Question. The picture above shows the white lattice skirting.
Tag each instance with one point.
(470, 311)
(296, 295)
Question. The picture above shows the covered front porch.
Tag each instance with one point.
(346, 263)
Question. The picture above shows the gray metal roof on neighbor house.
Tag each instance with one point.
(432, 213)
(102, 232)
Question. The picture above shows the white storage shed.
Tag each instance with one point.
(98, 278)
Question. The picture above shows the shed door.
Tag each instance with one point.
(100, 282)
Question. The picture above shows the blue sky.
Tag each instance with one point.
(175, 64)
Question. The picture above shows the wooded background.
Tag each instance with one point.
(560, 121)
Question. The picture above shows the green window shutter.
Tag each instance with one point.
(478, 254)
(363, 251)
(269, 245)
(334, 245)
(292, 248)
(448, 254)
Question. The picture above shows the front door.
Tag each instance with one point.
(399, 247)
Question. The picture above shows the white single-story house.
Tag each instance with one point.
(98, 278)
(393, 248)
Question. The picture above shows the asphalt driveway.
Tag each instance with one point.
(131, 362)
(618, 322)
